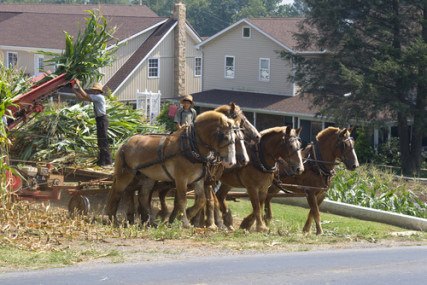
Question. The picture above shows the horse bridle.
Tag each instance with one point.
(343, 145)
(220, 136)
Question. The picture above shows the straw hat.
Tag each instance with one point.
(97, 87)
(188, 98)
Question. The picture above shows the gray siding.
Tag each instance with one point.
(247, 53)
(165, 83)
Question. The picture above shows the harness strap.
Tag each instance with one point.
(258, 160)
(319, 165)
(162, 158)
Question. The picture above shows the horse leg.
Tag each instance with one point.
(216, 212)
(317, 217)
(163, 189)
(200, 199)
(257, 199)
(314, 213)
(210, 207)
(120, 184)
(129, 198)
(221, 195)
(144, 199)
(268, 213)
(180, 204)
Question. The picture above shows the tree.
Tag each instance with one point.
(376, 52)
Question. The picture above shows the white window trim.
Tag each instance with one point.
(158, 67)
(201, 64)
(37, 58)
(7, 58)
(243, 34)
(259, 70)
(225, 66)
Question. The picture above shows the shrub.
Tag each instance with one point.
(363, 146)
(164, 119)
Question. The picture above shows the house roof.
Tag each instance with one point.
(279, 30)
(139, 55)
(106, 10)
(18, 29)
(248, 101)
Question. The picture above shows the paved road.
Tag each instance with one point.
(398, 265)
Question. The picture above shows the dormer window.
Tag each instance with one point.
(246, 32)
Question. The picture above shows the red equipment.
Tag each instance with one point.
(30, 102)
(38, 183)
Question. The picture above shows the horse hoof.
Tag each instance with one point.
(213, 228)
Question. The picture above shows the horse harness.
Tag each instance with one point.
(188, 148)
(317, 165)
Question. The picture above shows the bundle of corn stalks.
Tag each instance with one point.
(84, 57)
(68, 135)
(12, 83)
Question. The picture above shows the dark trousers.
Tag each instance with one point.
(103, 145)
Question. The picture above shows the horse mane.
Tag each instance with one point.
(277, 130)
(208, 115)
(226, 108)
(327, 132)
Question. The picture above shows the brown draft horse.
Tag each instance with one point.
(332, 144)
(250, 133)
(180, 157)
(258, 174)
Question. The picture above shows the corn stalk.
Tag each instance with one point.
(85, 55)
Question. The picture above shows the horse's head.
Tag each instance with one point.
(234, 112)
(292, 148)
(345, 149)
(216, 133)
(242, 156)
(285, 144)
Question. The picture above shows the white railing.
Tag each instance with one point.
(149, 102)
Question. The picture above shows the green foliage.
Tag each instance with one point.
(12, 83)
(385, 74)
(369, 187)
(68, 134)
(164, 119)
(389, 153)
(85, 55)
(363, 146)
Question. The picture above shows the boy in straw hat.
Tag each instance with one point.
(102, 122)
(185, 114)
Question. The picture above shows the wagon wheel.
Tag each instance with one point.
(79, 205)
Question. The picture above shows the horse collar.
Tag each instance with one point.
(190, 149)
(319, 163)
(259, 160)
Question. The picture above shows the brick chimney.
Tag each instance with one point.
(180, 54)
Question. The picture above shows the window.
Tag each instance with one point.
(264, 69)
(197, 66)
(38, 64)
(246, 33)
(12, 59)
(229, 67)
(153, 68)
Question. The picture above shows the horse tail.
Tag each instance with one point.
(120, 162)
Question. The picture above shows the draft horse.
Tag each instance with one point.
(258, 174)
(319, 167)
(250, 134)
(180, 157)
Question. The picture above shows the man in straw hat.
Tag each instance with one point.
(186, 114)
(102, 122)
